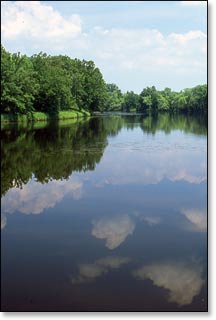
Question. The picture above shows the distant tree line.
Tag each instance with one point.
(55, 83)
(152, 100)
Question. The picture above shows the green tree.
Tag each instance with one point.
(114, 98)
(54, 83)
(54, 92)
(18, 83)
(163, 102)
(131, 102)
(149, 99)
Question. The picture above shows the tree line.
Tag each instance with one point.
(151, 100)
(59, 83)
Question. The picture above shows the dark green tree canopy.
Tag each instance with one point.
(55, 83)
(49, 84)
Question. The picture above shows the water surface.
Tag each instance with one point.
(108, 214)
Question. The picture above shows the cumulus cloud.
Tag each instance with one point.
(183, 280)
(115, 230)
(36, 20)
(184, 39)
(144, 49)
(126, 48)
(197, 218)
(35, 197)
(34, 24)
(89, 272)
(3, 221)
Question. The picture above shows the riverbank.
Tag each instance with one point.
(41, 116)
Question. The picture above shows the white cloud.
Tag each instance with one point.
(184, 39)
(35, 197)
(115, 230)
(194, 3)
(34, 26)
(197, 217)
(148, 49)
(89, 272)
(133, 49)
(183, 280)
(35, 20)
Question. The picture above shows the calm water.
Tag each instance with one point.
(109, 214)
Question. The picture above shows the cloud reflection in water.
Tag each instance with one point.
(115, 229)
(89, 272)
(197, 218)
(3, 221)
(182, 280)
(35, 197)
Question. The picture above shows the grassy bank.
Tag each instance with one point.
(41, 116)
(32, 125)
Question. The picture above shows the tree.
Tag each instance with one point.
(149, 99)
(18, 83)
(114, 98)
(131, 102)
(163, 102)
(54, 92)
(180, 101)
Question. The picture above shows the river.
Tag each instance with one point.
(106, 214)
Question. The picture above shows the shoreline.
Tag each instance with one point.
(42, 116)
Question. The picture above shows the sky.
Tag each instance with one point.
(134, 43)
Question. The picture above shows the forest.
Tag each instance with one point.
(53, 84)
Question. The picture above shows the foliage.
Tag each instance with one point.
(114, 97)
(18, 83)
(49, 84)
(53, 84)
(149, 99)
(131, 102)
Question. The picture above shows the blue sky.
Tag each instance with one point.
(134, 43)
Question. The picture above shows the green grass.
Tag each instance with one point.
(72, 114)
(41, 116)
